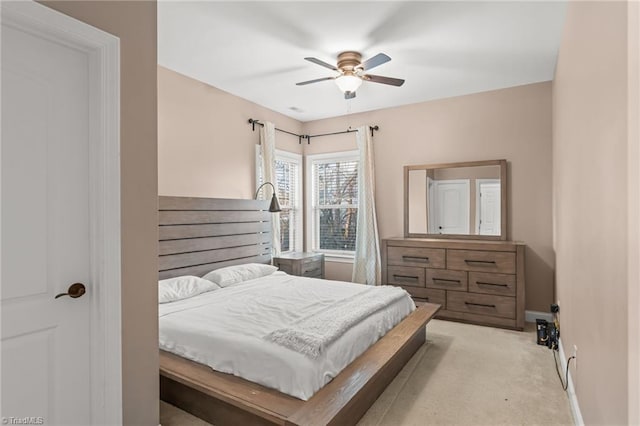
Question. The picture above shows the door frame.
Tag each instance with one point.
(103, 51)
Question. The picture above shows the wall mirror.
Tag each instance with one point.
(456, 200)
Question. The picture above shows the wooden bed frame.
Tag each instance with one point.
(198, 235)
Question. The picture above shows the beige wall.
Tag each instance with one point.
(135, 24)
(206, 147)
(514, 124)
(591, 204)
(633, 302)
(339, 271)
(417, 201)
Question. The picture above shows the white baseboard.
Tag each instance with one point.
(532, 316)
(571, 392)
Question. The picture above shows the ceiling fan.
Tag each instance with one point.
(352, 72)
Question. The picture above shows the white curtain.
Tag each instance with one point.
(366, 265)
(268, 148)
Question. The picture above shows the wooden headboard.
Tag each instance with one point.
(197, 235)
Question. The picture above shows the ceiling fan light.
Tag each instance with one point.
(348, 83)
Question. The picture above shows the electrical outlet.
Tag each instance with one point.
(575, 351)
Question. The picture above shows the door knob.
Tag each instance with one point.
(75, 290)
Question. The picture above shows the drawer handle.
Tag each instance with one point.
(492, 284)
(405, 277)
(415, 259)
(482, 262)
(480, 304)
(311, 270)
(447, 281)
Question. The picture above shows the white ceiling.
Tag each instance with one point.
(255, 50)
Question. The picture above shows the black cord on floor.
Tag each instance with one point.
(564, 384)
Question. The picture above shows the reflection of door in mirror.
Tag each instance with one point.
(456, 199)
(449, 202)
(488, 206)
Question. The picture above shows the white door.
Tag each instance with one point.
(451, 206)
(46, 243)
(488, 211)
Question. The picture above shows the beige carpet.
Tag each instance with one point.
(464, 375)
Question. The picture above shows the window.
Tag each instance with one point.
(289, 185)
(332, 194)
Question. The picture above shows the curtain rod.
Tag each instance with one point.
(253, 123)
(349, 130)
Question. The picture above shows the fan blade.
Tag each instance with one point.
(322, 63)
(349, 95)
(373, 62)
(384, 80)
(303, 83)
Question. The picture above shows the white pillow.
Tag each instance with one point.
(182, 288)
(235, 274)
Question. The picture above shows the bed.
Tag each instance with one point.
(198, 235)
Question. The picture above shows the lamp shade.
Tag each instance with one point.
(348, 83)
(274, 207)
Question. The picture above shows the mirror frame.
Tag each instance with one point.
(503, 199)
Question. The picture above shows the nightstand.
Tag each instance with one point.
(302, 264)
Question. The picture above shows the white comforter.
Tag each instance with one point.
(225, 329)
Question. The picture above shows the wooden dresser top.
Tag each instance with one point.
(298, 255)
(464, 244)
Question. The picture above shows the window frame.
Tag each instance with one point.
(298, 209)
(311, 211)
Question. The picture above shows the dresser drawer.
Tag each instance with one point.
(427, 295)
(284, 267)
(482, 261)
(313, 260)
(488, 283)
(311, 268)
(484, 304)
(416, 256)
(446, 280)
(309, 265)
(405, 276)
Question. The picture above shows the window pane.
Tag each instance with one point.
(337, 183)
(287, 184)
(286, 234)
(338, 229)
(287, 179)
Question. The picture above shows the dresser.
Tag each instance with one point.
(475, 281)
(303, 264)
